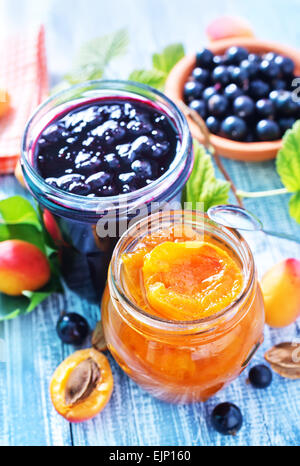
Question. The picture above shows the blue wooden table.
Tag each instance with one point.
(30, 348)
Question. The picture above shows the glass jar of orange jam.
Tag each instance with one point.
(183, 312)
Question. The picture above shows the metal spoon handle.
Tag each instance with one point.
(282, 235)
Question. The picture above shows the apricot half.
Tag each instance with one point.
(190, 280)
(281, 292)
(81, 386)
(133, 262)
(23, 266)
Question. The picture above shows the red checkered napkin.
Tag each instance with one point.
(23, 72)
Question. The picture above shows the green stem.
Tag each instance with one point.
(272, 192)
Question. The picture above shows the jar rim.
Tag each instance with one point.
(167, 324)
(135, 198)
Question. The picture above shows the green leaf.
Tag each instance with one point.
(23, 232)
(154, 78)
(162, 64)
(294, 206)
(95, 55)
(12, 306)
(87, 73)
(288, 159)
(168, 58)
(18, 210)
(202, 185)
(35, 298)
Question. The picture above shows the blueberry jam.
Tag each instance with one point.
(107, 147)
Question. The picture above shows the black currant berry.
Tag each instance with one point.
(72, 328)
(227, 418)
(260, 376)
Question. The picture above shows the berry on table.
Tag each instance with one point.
(72, 328)
(260, 376)
(227, 418)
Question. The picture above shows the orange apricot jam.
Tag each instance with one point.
(183, 312)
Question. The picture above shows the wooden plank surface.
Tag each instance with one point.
(29, 347)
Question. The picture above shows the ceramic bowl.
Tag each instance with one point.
(246, 151)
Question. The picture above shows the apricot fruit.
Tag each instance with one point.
(23, 266)
(281, 292)
(133, 261)
(190, 280)
(82, 385)
(228, 26)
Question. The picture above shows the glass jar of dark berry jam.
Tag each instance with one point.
(98, 156)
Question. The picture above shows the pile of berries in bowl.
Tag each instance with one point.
(244, 90)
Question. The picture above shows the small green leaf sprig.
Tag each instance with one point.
(162, 63)
(94, 57)
(202, 185)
